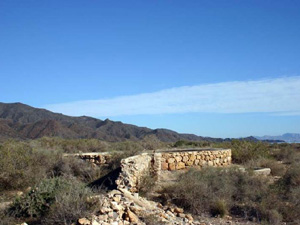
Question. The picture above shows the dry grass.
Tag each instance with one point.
(221, 192)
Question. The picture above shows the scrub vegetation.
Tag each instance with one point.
(47, 188)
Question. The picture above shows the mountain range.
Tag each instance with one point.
(21, 121)
(287, 137)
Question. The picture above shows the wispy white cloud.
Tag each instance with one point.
(280, 96)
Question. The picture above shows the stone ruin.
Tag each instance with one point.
(134, 168)
(96, 158)
(124, 205)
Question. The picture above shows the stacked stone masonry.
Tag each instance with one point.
(133, 169)
(125, 206)
(184, 159)
(97, 158)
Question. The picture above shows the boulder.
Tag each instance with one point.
(189, 163)
(132, 217)
(178, 210)
(172, 166)
(84, 221)
(171, 160)
(180, 166)
(164, 166)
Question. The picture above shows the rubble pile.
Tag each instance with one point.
(121, 207)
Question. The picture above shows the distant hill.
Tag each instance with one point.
(287, 137)
(21, 121)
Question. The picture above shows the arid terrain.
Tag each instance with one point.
(56, 169)
(39, 185)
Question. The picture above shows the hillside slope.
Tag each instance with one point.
(21, 121)
(287, 137)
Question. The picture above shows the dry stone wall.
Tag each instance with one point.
(133, 169)
(97, 158)
(125, 206)
(179, 160)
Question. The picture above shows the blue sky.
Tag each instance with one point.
(147, 62)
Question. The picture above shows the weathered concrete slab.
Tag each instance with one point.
(262, 171)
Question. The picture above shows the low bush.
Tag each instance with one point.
(71, 145)
(21, 166)
(244, 151)
(120, 151)
(219, 208)
(196, 190)
(58, 200)
(128, 148)
(71, 203)
(220, 191)
(146, 184)
(151, 142)
(277, 168)
(72, 166)
(5, 219)
(292, 177)
(184, 143)
(287, 153)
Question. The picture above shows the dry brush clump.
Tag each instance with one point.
(25, 163)
(277, 167)
(71, 145)
(191, 144)
(244, 151)
(230, 191)
(38, 164)
(22, 166)
(286, 153)
(59, 200)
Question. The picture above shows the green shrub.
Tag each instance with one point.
(274, 217)
(292, 176)
(151, 142)
(128, 148)
(277, 168)
(51, 195)
(244, 151)
(184, 143)
(72, 166)
(120, 151)
(146, 184)
(219, 191)
(197, 191)
(72, 145)
(6, 219)
(222, 191)
(71, 203)
(288, 153)
(21, 166)
(219, 207)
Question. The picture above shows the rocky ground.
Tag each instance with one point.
(121, 207)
